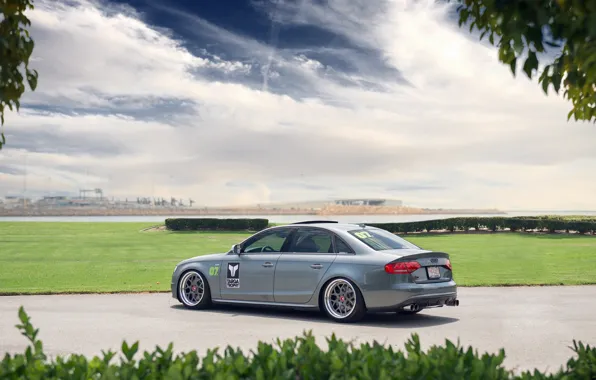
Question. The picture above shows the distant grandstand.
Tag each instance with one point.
(315, 205)
(368, 202)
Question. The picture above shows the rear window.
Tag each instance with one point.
(381, 240)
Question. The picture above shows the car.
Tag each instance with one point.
(344, 270)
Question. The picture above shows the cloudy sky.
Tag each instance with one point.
(236, 102)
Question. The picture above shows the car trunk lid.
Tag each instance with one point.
(424, 266)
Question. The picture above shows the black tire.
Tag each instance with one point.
(204, 301)
(357, 312)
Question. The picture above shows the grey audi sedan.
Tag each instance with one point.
(344, 270)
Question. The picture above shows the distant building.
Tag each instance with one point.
(368, 202)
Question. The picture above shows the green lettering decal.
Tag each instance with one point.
(363, 235)
(214, 270)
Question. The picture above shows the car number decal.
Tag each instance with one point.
(363, 234)
(214, 270)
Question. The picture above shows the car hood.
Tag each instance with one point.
(209, 257)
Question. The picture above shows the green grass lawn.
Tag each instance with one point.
(102, 257)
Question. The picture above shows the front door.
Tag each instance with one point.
(300, 270)
(249, 276)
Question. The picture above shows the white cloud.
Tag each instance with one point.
(462, 133)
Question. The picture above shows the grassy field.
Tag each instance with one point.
(109, 257)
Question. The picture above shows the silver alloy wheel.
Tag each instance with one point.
(191, 288)
(340, 298)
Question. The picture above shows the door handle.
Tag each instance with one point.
(316, 266)
(267, 264)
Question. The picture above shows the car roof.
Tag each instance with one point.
(329, 225)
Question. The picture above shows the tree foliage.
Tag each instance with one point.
(16, 47)
(524, 28)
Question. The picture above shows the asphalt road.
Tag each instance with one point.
(536, 325)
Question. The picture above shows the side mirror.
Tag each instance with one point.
(236, 249)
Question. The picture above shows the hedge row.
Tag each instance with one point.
(547, 223)
(524, 223)
(215, 224)
(294, 359)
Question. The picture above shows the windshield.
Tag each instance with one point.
(381, 240)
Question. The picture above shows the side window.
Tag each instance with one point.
(341, 246)
(270, 241)
(312, 241)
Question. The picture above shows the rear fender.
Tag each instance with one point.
(318, 296)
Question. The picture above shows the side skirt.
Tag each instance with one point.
(266, 304)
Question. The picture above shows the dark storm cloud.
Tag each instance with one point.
(228, 35)
(165, 110)
(52, 140)
(12, 170)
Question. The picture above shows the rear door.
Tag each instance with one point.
(301, 269)
(249, 276)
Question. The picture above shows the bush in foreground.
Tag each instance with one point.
(294, 359)
(215, 224)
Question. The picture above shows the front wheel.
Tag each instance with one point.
(193, 290)
(342, 301)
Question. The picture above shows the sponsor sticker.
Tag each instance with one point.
(233, 276)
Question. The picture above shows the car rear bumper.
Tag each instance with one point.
(434, 300)
(405, 295)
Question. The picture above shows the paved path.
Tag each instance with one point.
(534, 325)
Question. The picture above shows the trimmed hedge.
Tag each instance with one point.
(215, 224)
(547, 223)
(294, 359)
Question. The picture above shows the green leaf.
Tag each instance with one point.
(512, 65)
(545, 83)
(556, 80)
(531, 64)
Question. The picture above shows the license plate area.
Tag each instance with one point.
(433, 273)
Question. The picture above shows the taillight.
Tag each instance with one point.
(402, 268)
(448, 265)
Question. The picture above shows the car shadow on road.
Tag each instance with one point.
(387, 320)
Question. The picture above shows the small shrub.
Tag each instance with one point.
(292, 359)
(215, 224)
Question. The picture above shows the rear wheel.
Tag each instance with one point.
(193, 290)
(342, 301)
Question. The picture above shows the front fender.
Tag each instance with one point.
(210, 269)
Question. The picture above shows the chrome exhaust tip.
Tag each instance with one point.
(454, 302)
